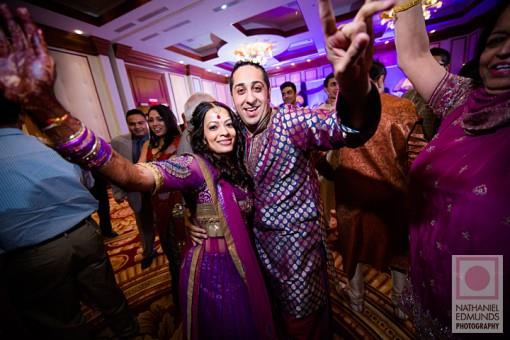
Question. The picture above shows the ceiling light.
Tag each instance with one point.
(432, 31)
(292, 64)
(386, 42)
(257, 52)
(181, 62)
(277, 67)
(218, 73)
(224, 7)
(209, 70)
(80, 32)
(308, 60)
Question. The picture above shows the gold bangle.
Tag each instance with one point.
(406, 6)
(158, 176)
(54, 122)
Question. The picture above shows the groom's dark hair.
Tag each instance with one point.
(244, 63)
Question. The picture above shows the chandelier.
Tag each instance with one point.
(426, 5)
(257, 52)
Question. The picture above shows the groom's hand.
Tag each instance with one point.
(349, 46)
(197, 234)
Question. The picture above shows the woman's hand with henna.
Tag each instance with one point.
(27, 71)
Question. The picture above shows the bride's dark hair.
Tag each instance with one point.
(231, 166)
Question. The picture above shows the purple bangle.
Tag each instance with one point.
(100, 153)
(99, 156)
(86, 149)
(81, 146)
(74, 140)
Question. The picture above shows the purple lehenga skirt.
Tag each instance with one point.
(222, 309)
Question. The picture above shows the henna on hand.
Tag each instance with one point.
(27, 71)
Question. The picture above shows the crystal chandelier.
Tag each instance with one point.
(426, 5)
(257, 52)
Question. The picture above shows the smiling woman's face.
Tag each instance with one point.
(156, 123)
(495, 59)
(219, 131)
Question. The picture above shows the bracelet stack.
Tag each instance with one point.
(86, 149)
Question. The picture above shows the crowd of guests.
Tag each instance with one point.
(255, 264)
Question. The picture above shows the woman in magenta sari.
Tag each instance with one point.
(223, 292)
(460, 180)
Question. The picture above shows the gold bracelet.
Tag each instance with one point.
(158, 176)
(54, 122)
(406, 6)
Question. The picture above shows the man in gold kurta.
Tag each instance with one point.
(371, 185)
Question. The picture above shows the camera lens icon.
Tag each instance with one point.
(477, 277)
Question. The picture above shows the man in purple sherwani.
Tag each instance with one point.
(288, 225)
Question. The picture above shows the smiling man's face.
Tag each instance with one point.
(250, 95)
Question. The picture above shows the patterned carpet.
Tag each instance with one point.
(377, 321)
(148, 292)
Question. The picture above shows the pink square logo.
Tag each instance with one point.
(477, 277)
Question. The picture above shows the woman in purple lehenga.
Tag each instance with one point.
(459, 182)
(222, 292)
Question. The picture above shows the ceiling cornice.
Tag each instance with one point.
(131, 56)
(200, 72)
(112, 14)
(74, 42)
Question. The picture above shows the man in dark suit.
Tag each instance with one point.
(129, 146)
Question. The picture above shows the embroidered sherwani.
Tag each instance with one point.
(288, 226)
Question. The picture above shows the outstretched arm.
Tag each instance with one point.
(27, 75)
(413, 52)
(349, 51)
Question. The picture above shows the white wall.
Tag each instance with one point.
(76, 90)
(179, 92)
(108, 94)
